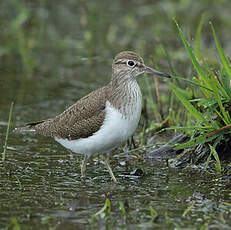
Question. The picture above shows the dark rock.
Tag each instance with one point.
(166, 151)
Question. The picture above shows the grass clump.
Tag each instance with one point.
(210, 106)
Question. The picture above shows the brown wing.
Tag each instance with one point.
(80, 120)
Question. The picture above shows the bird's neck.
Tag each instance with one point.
(125, 94)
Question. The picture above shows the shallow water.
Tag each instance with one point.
(41, 187)
(40, 184)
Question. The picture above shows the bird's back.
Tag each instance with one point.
(80, 120)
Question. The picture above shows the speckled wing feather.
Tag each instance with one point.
(80, 120)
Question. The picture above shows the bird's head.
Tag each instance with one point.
(129, 65)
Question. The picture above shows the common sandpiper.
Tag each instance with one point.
(104, 119)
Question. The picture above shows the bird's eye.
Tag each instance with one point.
(130, 63)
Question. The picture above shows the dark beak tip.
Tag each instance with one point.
(168, 75)
(150, 70)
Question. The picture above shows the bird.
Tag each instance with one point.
(104, 119)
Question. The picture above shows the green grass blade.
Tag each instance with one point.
(208, 160)
(221, 52)
(193, 58)
(215, 155)
(193, 127)
(105, 210)
(192, 82)
(122, 208)
(153, 212)
(14, 224)
(195, 141)
(203, 89)
(188, 105)
(217, 91)
(7, 132)
(226, 84)
(188, 209)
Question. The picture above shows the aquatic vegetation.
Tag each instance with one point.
(214, 153)
(188, 209)
(7, 132)
(122, 208)
(105, 210)
(14, 224)
(153, 214)
(209, 105)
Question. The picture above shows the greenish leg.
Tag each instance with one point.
(106, 160)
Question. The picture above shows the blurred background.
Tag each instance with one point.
(64, 49)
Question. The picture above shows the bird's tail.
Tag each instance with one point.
(24, 129)
(30, 127)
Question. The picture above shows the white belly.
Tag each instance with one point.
(115, 130)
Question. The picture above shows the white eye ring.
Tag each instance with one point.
(130, 63)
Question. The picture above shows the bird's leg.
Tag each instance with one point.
(106, 160)
(83, 166)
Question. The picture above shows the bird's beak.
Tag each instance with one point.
(150, 70)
